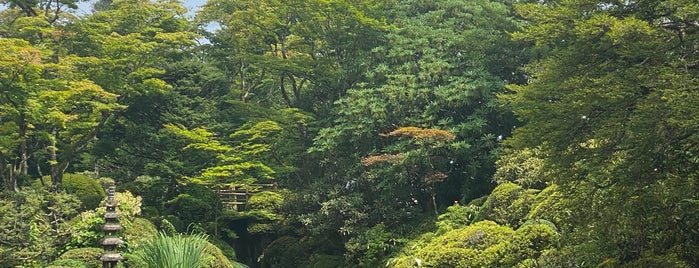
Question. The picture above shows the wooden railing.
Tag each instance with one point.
(236, 198)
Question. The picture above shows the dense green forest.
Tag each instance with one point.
(364, 133)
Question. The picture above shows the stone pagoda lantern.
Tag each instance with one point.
(111, 256)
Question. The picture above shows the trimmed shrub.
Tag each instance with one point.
(87, 189)
(67, 263)
(139, 230)
(509, 205)
(214, 257)
(86, 255)
(190, 209)
(87, 229)
(482, 244)
(285, 251)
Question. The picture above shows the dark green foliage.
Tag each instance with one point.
(174, 224)
(190, 209)
(608, 106)
(86, 188)
(323, 260)
(371, 247)
(68, 263)
(88, 256)
(669, 260)
(167, 227)
(283, 251)
(35, 225)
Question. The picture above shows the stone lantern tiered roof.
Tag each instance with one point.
(111, 241)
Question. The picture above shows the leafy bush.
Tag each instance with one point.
(87, 189)
(263, 208)
(88, 256)
(35, 225)
(508, 204)
(285, 251)
(138, 231)
(128, 206)
(547, 205)
(86, 230)
(214, 257)
(371, 247)
(482, 244)
(87, 227)
(190, 209)
(225, 248)
(456, 216)
(523, 167)
(266, 200)
(67, 263)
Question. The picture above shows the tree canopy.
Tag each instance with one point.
(338, 133)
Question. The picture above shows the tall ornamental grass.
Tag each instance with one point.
(172, 251)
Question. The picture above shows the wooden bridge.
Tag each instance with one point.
(236, 197)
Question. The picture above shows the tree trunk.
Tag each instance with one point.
(69, 152)
(9, 178)
(23, 148)
(56, 174)
(57, 177)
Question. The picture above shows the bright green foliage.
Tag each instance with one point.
(456, 217)
(89, 190)
(214, 258)
(231, 169)
(67, 263)
(171, 251)
(483, 244)
(523, 167)
(86, 230)
(549, 205)
(508, 204)
(35, 225)
(128, 205)
(88, 256)
(264, 209)
(138, 232)
(45, 103)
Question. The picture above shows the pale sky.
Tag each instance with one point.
(192, 5)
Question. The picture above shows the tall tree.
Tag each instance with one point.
(609, 106)
(441, 70)
(298, 54)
